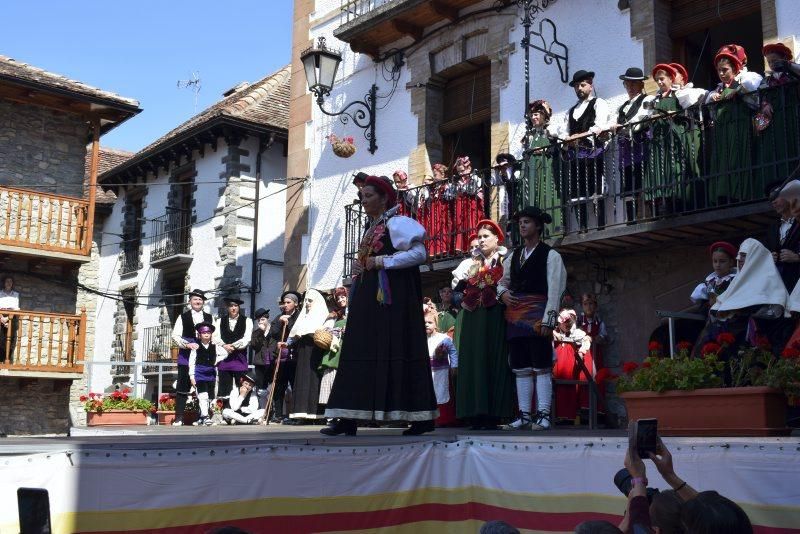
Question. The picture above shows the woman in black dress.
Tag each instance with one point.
(384, 368)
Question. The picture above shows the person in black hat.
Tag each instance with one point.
(507, 171)
(202, 369)
(783, 238)
(534, 278)
(582, 177)
(632, 139)
(243, 403)
(184, 336)
(258, 341)
(278, 332)
(233, 335)
(359, 179)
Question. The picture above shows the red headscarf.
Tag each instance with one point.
(383, 186)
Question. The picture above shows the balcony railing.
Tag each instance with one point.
(352, 9)
(158, 346)
(129, 257)
(42, 342)
(170, 234)
(702, 159)
(44, 222)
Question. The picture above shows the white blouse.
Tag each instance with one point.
(9, 301)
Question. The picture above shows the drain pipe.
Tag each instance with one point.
(262, 147)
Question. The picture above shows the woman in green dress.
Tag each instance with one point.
(485, 387)
(543, 190)
(730, 177)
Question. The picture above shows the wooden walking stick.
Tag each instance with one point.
(265, 419)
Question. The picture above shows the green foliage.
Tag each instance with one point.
(681, 372)
(118, 400)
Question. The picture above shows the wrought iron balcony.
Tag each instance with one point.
(42, 344)
(158, 346)
(696, 175)
(171, 239)
(36, 223)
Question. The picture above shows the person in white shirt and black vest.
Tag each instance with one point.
(632, 139)
(233, 333)
(534, 278)
(203, 363)
(582, 175)
(243, 402)
(184, 336)
(9, 300)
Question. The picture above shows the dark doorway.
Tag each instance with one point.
(172, 289)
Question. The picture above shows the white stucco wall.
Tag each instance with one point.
(329, 188)
(788, 16)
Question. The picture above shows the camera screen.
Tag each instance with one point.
(646, 436)
(34, 511)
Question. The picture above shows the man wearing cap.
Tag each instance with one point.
(587, 119)
(233, 334)
(258, 342)
(631, 139)
(534, 278)
(244, 407)
(359, 179)
(184, 336)
(202, 369)
(278, 331)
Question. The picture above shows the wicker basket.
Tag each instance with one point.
(343, 149)
(323, 338)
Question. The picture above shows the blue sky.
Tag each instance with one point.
(141, 49)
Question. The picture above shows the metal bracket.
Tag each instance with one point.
(552, 50)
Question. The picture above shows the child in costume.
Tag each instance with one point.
(568, 340)
(444, 364)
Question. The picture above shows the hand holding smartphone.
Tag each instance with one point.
(643, 437)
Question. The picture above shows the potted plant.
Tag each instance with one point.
(166, 410)
(173, 351)
(117, 408)
(342, 146)
(688, 397)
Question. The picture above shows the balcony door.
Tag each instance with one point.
(466, 115)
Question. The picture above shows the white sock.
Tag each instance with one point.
(544, 391)
(525, 392)
(202, 399)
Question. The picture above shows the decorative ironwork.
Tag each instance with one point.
(553, 50)
(362, 114)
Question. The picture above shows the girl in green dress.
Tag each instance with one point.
(543, 191)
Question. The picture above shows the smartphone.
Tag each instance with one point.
(34, 511)
(645, 437)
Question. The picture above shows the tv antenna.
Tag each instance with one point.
(194, 84)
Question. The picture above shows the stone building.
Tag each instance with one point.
(201, 207)
(48, 206)
(451, 80)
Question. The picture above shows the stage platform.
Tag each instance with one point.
(293, 479)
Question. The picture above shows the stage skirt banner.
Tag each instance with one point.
(548, 486)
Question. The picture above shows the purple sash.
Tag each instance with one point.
(205, 373)
(236, 361)
(183, 354)
(523, 317)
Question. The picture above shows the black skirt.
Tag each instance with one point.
(384, 368)
(305, 387)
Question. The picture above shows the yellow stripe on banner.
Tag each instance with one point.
(775, 516)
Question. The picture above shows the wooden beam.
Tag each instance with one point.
(93, 165)
(406, 28)
(443, 10)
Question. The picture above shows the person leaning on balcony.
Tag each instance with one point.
(631, 140)
(184, 336)
(777, 120)
(534, 279)
(730, 167)
(233, 333)
(783, 238)
(582, 176)
(484, 392)
(544, 189)
(9, 300)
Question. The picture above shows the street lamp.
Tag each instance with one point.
(320, 64)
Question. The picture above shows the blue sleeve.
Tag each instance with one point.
(451, 352)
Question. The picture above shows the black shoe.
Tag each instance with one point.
(419, 427)
(347, 427)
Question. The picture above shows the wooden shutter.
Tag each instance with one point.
(689, 16)
(467, 101)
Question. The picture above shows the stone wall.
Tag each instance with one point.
(42, 149)
(34, 406)
(33, 279)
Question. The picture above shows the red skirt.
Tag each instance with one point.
(569, 398)
(468, 211)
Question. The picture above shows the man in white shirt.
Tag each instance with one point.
(9, 300)
(243, 403)
(582, 177)
(233, 333)
(184, 336)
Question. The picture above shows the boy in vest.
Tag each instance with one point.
(233, 333)
(243, 403)
(184, 336)
(202, 369)
(534, 278)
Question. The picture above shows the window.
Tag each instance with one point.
(466, 116)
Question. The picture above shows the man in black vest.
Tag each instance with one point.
(184, 336)
(233, 333)
(631, 139)
(534, 278)
(783, 239)
(278, 331)
(582, 177)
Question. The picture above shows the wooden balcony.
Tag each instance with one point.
(40, 224)
(42, 345)
(369, 25)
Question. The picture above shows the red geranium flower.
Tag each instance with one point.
(646, 365)
(629, 367)
(726, 338)
(83, 398)
(790, 352)
(655, 345)
(685, 345)
(603, 375)
(710, 348)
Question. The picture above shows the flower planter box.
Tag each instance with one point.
(116, 417)
(746, 411)
(167, 417)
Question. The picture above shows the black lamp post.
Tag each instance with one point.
(321, 64)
